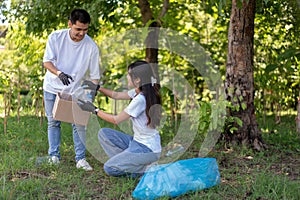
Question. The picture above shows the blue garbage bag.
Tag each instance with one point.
(177, 178)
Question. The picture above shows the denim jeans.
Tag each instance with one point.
(126, 156)
(54, 131)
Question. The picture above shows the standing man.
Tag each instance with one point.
(70, 55)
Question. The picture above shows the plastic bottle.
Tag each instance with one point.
(83, 94)
(46, 160)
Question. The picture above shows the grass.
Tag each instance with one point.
(245, 174)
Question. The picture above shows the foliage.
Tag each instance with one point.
(3, 11)
(21, 64)
(36, 12)
(276, 46)
(277, 57)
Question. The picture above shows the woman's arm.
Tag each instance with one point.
(115, 95)
(114, 119)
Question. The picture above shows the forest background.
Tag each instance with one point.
(276, 46)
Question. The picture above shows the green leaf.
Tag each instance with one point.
(232, 129)
(244, 106)
(289, 53)
(271, 67)
(239, 121)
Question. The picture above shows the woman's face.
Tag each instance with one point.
(129, 80)
(132, 83)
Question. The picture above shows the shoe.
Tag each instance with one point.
(83, 164)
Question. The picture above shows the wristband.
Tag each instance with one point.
(96, 111)
(98, 86)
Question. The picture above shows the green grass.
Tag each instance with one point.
(245, 174)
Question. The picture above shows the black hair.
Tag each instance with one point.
(80, 15)
(149, 88)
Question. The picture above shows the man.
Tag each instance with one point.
(69, 55)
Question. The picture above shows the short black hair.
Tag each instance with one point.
(80, 15)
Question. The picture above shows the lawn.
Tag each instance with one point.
(245, 174)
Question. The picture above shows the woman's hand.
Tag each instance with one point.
(89, 85)
(86, 106)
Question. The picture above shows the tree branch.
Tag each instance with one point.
(145, 11)
(164, 9)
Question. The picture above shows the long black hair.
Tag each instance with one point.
(149, 88)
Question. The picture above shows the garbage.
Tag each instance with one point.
(82, 94)
(177, 178)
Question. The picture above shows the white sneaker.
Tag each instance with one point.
(83, 164)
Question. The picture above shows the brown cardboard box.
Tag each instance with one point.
(66, 110)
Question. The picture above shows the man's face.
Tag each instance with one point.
(78, 30)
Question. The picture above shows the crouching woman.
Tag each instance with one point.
(130, 155)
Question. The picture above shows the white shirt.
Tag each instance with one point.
(142, 133)
(73, 58)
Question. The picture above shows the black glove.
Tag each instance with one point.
(86, 106)
(89, 85)
(65, 78)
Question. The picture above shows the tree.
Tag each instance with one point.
(152, 38)
(239, 84)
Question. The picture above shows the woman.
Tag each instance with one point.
(130, 155)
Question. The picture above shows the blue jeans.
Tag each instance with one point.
(79, 132)
(126, 156)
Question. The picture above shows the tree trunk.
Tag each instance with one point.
(151, 41)
(298, 116)
(152, 48)
(239, 85)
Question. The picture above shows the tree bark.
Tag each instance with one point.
(239, 85)
(298, 116)
(151, 41)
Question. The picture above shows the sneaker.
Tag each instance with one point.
(83, 164)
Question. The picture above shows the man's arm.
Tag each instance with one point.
(65, 78)
(49, 66)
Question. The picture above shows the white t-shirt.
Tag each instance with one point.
(73, 58)
(142, 133)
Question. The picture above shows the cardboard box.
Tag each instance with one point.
(66, 110)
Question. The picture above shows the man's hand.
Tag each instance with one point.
(89, 85)
(65, 78)
(86, 105)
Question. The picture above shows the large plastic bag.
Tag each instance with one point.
(177, 178)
